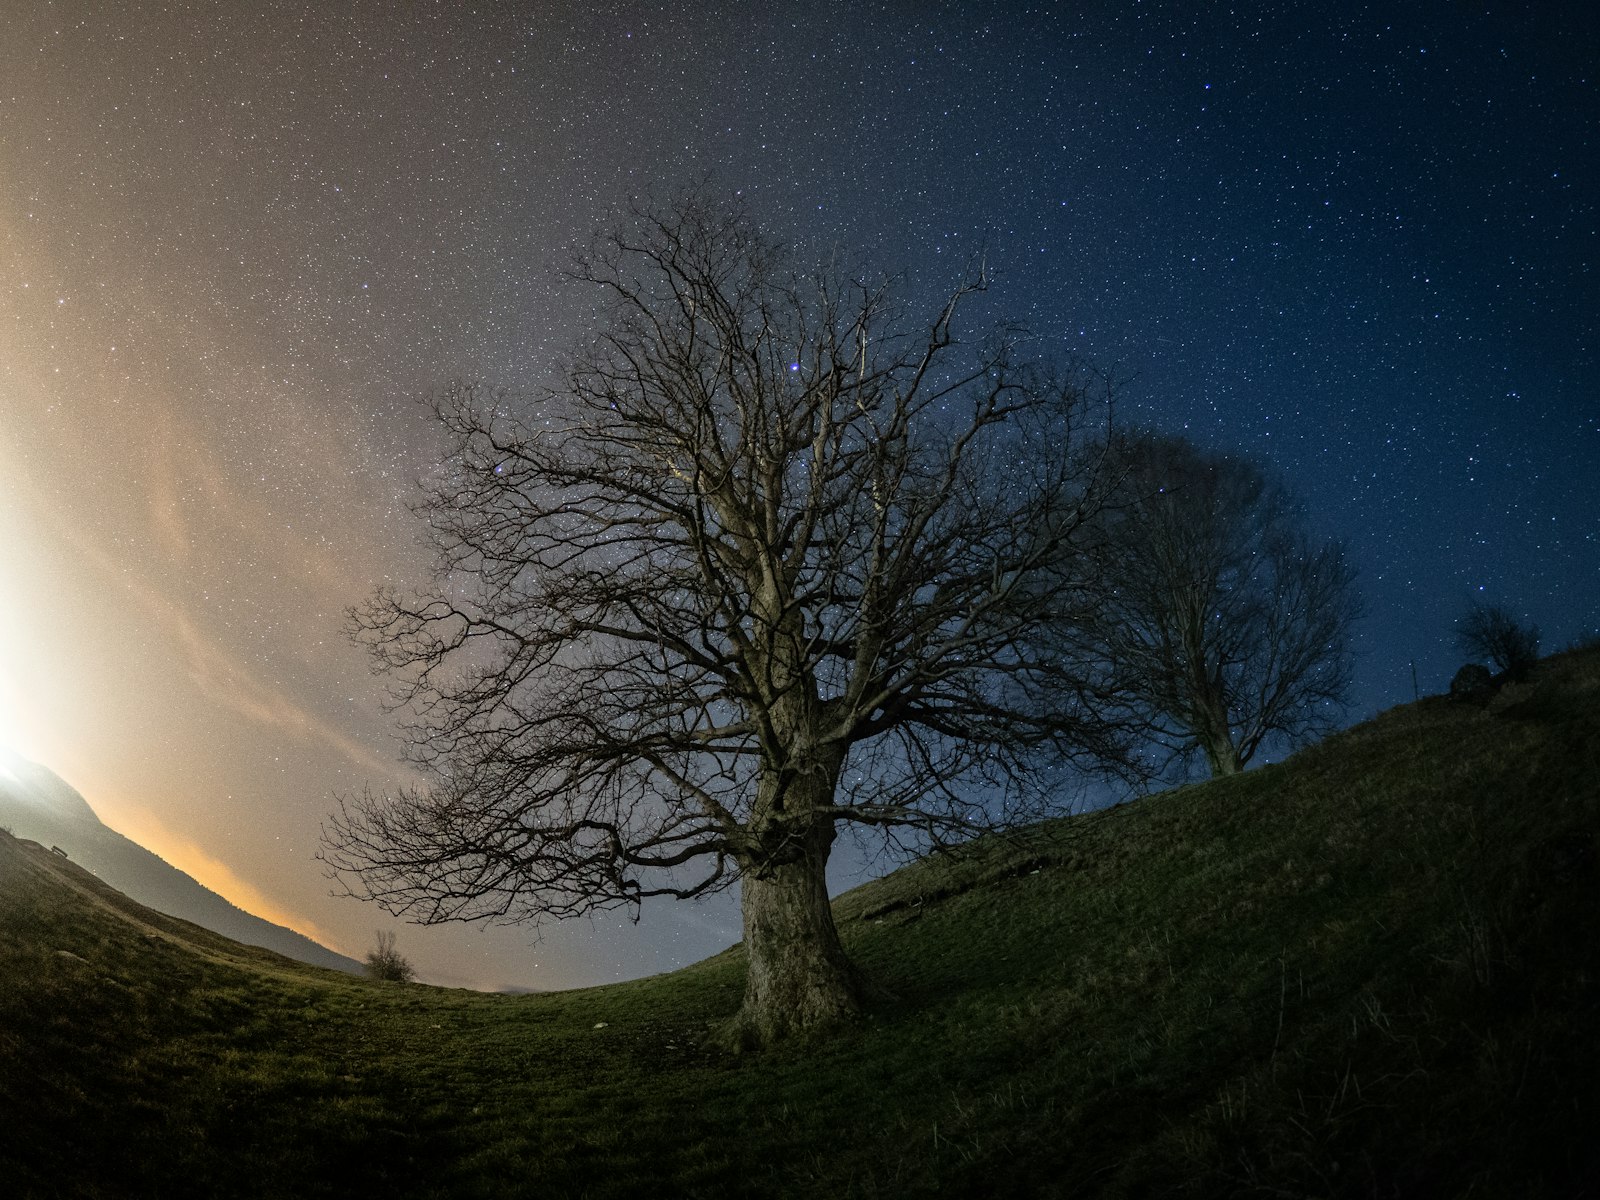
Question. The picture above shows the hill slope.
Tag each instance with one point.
(36, 803)
(1370, 971)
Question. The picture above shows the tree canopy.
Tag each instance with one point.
(1490, 632)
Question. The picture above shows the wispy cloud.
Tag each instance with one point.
(224, 679)
(218, 675)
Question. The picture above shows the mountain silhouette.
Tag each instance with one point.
(38, 804)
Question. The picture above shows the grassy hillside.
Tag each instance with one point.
(1369, 971)
(37, 804)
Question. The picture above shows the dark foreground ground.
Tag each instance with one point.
(1370, 971)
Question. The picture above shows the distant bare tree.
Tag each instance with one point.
(1487, 631)
(765, 564)
(386, 962)
(1225, 623)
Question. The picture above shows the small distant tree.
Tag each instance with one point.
(384, 961)
(1489, 632)
(1225, 622)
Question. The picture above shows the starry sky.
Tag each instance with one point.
(1359, 242)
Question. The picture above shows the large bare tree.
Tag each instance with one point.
(1225, 622)
(764, 564)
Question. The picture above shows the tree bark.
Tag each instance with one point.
(798, 974)
(1223, 756)
(1216, 734)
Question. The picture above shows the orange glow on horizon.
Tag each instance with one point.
(137, 824)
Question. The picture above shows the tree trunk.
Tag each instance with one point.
(1215, 734)
(798, 974)
(1223, 756)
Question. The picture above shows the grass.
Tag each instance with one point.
(1368, 971)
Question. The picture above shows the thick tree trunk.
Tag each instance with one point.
(1223, 756)
(1215, 734)
(798, 974)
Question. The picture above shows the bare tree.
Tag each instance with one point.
(1490, 632)
(757, 568)
(386, 962)
(1225, 624)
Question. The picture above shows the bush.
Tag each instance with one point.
(1489, 632)
(386, 962)
(1472, 684)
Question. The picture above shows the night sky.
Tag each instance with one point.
(235, 250)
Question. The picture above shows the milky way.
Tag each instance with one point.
(237, 249)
